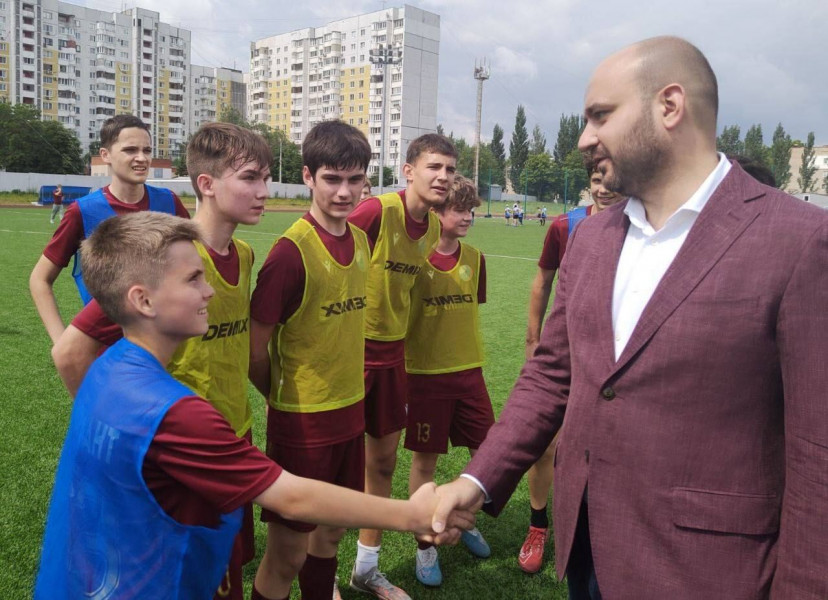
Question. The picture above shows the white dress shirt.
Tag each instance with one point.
(647, 254)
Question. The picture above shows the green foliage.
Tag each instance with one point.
(569, 131)
(488, 165)
(729, 141)
(229, 114)
(544, 176)
(180, 161)
(807, 169)
(29, 145)
(780, 157)
(387, 178)
(755, 148)
(498, 149)
(538, 143)
(519, 146)
(440, 129)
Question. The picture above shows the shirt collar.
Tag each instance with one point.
(638, 217)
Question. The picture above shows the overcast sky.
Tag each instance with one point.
(770, 56)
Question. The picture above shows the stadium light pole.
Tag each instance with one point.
(481, 74)
(382, 56)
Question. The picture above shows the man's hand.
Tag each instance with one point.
(457, 499)
(424, 503)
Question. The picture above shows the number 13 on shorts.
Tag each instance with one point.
(423, 432)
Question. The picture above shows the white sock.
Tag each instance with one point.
(367, 558)
(422, 554)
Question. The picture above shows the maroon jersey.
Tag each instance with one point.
(69, 234)
(554, 245)
(57, 197)
(279, 290)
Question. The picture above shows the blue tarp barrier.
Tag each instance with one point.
(70, 193)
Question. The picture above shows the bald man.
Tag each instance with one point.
(683, 363)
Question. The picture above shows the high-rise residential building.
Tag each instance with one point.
(80, 66)
(212, 89)
(300, 78)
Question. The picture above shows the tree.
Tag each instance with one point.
(519, 146)
(754, 147)
(780, 157)
(29, 145)
(825, 183)
(543, 175)
(569, 131)
(387, 178)
(180, 162)
(231, 115)
(499, 151)
(538, 143)
(440, 130)
(576, 176)
(729, 143)
(807, 170)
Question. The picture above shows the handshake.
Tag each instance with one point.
(439, 514)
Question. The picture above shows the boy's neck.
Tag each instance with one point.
(159, 346)
(332, 225)
(448, 245)
(216, 230)
(128, 193)
(415, 205)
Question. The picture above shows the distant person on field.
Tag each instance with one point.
(540, 474)
(447, 396)
(152, 479)
(543, 216)
(508, 214)
(520, 215)
(126, 147)
(229, 167)
(308, 363)
(57, 204)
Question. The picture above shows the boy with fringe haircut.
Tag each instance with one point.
(151, 483)
(229, 168)
(311, 293)
(447, 396)
(403, 232)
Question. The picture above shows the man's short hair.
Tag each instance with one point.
(215, 147)
(462, 196)
(128, 250)
(430, 142)
(113, 126)
(335, 145)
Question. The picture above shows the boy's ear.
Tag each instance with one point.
(408, 171)
(139, 301)
(307, 177)
(205, 185)
(104, 154)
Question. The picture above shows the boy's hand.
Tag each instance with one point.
(423, 504)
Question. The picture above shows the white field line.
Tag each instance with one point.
(49, 233)
(511, 257)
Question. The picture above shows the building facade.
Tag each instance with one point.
(303, 77)
(80, 66)
(821, 164)
(212, 90)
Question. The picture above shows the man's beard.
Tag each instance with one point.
(638, 161)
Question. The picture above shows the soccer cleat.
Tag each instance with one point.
(473, 540)
(531, 553)
(428, 568)
(376, 584)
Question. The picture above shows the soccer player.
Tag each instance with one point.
(151, 483)
(403, 233)
(57, 205)
(126, 148)
(310, 293)
(540, 474)
(447, 396)
(507, 213)
(229, 167)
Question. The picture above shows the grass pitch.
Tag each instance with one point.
(35, 408)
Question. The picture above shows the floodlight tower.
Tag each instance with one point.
(481, 74)
(382, 56)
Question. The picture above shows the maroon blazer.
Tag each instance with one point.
(705, 446)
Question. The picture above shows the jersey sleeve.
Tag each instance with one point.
(554, 245)
(368, 217)
(280, 285)
(67, 237)
(180, 209)
(92, 321)
(195, 446)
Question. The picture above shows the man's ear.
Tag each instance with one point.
(139, 301)
(672, 107)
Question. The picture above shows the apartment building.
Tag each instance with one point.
(820, 162)
(212, 89)
(80, 66)
(302, 77)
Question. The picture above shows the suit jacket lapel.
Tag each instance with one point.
(724, 218)
(608, 252)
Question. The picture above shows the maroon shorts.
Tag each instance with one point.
(244, 550)
(433, 421)
(385, 391)
(341, 464)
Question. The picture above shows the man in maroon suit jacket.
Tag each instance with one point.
(684, 362)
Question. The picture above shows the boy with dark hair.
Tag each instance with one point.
(447, 396)
(229, 167)
(310, 292)
(151, 481)
(126, 148)
(403, 233)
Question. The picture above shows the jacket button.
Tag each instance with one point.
(608, 393)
